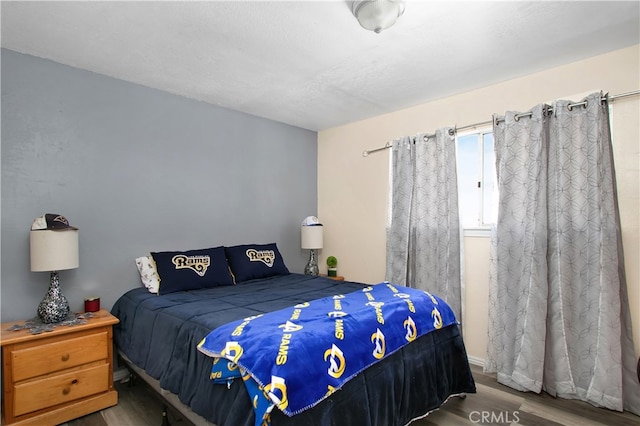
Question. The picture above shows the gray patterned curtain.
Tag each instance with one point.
(559, 317)
(423, 238)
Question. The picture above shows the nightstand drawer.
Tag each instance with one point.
(59, 355)
(47, 392)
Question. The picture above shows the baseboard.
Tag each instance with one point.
(475, 360)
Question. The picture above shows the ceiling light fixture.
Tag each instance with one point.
(377, 15)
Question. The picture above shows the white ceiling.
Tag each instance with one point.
(309, 63)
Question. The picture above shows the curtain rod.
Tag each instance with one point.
(518, 116)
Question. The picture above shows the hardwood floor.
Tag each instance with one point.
(137, 405)
(496, 404)
(493, 404)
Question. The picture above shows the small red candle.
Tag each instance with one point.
(92, 304)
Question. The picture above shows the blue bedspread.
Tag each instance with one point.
(300, 355)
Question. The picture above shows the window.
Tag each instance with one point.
(477, 188)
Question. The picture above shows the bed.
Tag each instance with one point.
(158, 335)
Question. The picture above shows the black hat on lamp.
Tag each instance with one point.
(54, 247)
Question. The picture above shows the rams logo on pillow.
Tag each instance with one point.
(197, 264)
(268, 257)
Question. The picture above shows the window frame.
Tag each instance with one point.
(482, 228)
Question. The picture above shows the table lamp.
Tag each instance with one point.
(311, 238)
(54, 247)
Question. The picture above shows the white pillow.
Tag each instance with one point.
(148, 273)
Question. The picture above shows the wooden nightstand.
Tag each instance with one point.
(337, 278)
(56, 376)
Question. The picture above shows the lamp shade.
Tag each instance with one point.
(377, 15)
(311, 237)
(53, 250)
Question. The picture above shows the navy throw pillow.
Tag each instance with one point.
(192, 269)
(253, 261)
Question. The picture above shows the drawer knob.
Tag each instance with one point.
(65, 357)
(67, 389)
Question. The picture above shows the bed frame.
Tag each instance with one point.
(166, 398)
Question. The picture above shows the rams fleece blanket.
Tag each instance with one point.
(295, 357)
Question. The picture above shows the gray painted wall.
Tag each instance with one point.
(138, 170)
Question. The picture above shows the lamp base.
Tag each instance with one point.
(54, 307)
(312, 265)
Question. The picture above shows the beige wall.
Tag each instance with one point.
(352, 189)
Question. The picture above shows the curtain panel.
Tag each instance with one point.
(423, 237)
(559, 316)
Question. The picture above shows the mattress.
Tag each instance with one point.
(160, 334)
